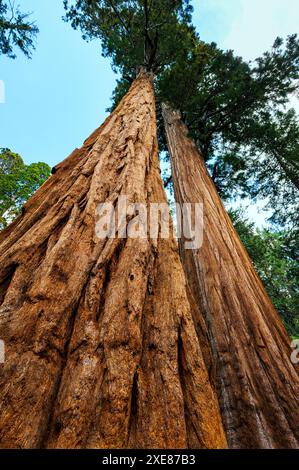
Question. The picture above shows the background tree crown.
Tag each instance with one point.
(17, 183)
(16, 31)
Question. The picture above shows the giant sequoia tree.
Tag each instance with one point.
(225, 102)
(256, 381)
(108, 327)
(101, 350)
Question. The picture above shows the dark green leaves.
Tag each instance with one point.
(16, 31)
(235, 111)
(133, 33)
(17, 183)
(237, 114)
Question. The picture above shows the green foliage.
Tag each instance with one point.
(275, 257)
(237, 113)
(234, 110)
(133, 33)
(17, 183)
(15, 30)
(221, 96)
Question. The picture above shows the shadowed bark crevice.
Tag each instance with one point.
(5, 282)
(133, 409)
(64, 355)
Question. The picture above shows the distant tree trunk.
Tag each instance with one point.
(257, 384)
(101, 350)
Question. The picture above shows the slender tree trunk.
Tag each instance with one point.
(256, 382)
(101, 351)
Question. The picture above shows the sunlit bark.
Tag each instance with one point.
(101, 350)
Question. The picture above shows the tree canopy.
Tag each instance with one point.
(134, 33)
(237, 111)
(17, 183)
(238, 114)
(16, 30)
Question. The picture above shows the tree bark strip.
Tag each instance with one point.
(256, 382)
(101, 350)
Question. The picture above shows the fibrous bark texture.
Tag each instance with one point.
(257, 384)
(101, 350)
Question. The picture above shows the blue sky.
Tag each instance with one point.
(56, 99)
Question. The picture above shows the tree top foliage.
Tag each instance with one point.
(236, 111)
(16, 31)
(239, 115)
(134, 33)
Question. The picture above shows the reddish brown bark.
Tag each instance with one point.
(257, 384)
(101, 350)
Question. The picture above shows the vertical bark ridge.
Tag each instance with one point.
(91, 325)
(257, 383)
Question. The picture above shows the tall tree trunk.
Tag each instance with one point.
(257, 384)
(101, 351)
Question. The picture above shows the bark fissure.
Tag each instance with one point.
(5, 283)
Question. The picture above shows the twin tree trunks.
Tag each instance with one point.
(101, 348)
(106, 344)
